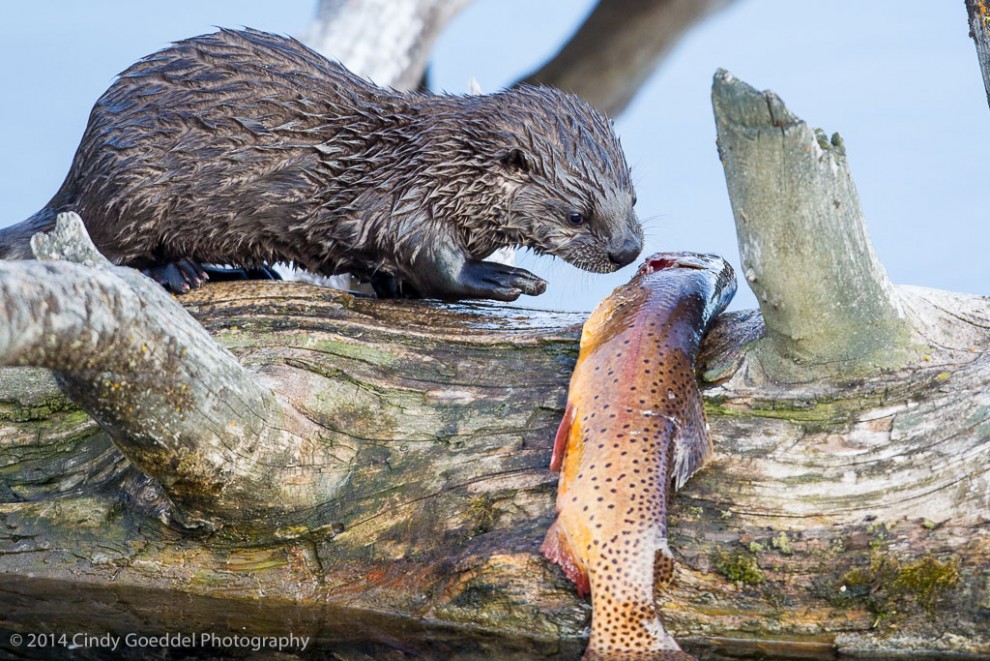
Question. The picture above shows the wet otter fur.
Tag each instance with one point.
(246, 148)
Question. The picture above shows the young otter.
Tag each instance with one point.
(247, 148)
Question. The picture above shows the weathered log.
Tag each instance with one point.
(388, 42)
(179, 406)
(450, 496)
(978, 15)
(457, 540)
(605, 62)
(617, 48)
(830, 309)
(839, 513)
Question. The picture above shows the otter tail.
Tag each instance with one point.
(15, 241)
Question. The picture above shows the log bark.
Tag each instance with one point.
(618, 47)
(452, 409)
(606, 61)
(829, 307)
(978, 15)
(386, 41)
(842, 513)
(217, 440)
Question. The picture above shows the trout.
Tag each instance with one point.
(634, 430)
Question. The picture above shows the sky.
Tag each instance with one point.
(899, 79)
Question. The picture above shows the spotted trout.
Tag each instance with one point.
(633, 430)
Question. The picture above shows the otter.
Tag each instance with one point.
(245, 148)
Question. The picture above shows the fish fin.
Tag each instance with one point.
(663, 567)
(560, 440)
(692, 446)
(556, 548)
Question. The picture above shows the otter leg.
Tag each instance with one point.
(223, 274)
(179, 276)
(388, 286)
(184, 274)
(263, 273)
(444, 271)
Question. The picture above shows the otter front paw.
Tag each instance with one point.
(499, 281)
(445, 271)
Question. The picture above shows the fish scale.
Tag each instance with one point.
(633, 429)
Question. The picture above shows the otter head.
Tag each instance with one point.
(569, 188)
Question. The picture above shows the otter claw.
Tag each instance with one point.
(227, 274)
(179, 276)
(447, 273)
(500, 281)
(388, 286)
(536, 287)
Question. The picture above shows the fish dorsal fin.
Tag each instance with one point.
(560, 440)
(692, 446)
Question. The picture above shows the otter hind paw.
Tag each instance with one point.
(227, 274)
(388, 286)
(263, 273)
(179, 276)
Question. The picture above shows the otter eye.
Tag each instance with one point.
(575, 218)
(634, 199)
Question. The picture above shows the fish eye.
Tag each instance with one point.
(576, 218)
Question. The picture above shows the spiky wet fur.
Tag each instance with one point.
(244, 148)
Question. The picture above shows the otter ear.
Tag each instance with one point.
(514, 159)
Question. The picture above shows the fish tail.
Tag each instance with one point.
(556, 548)
(634, 632)
(669, 654)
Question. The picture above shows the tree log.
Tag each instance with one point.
(846, 512)
(605, 62)
(386, 41)
(978, 14)
(829, 306)
(179, 406)
(618, 47)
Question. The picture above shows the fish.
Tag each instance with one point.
(634, 429)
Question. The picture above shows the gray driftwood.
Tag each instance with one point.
(392, 455)
(606, 61)
(618, 46)
(386, 41)
(978, 15)
(829, 306)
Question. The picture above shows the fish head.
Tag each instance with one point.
(719, 273)
(666, 261)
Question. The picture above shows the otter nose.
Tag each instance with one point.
(625, 253)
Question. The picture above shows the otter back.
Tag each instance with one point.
(246, 148)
